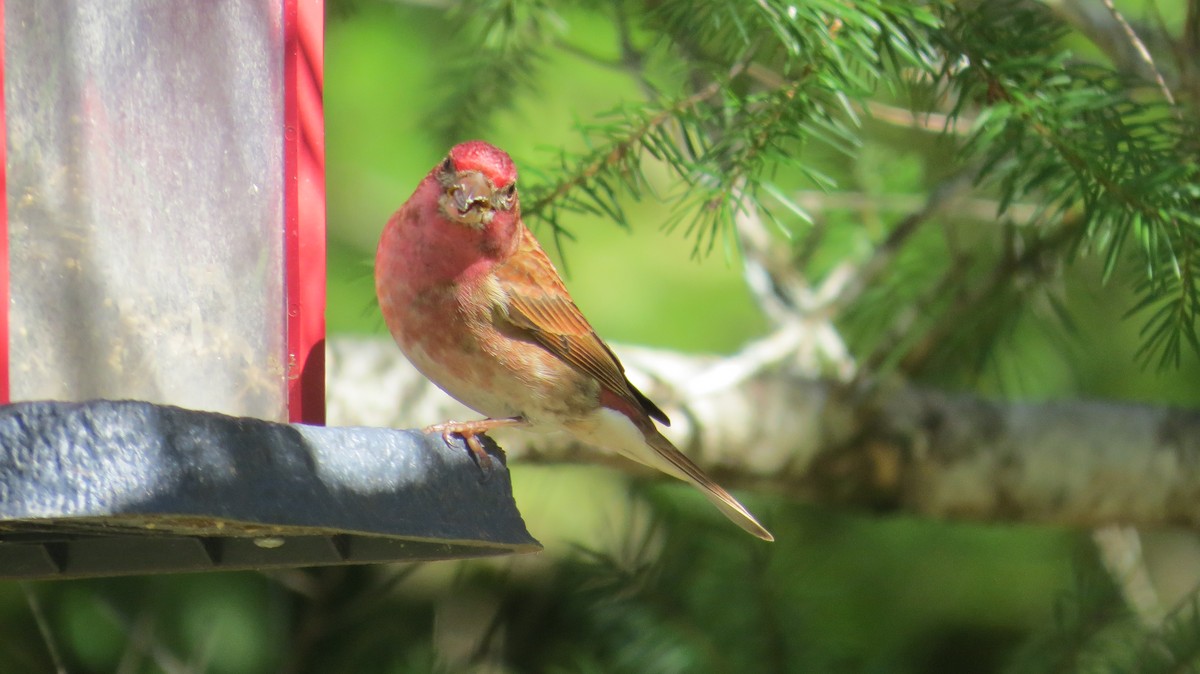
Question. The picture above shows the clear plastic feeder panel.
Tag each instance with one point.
(145, 202)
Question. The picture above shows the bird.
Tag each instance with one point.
(475, 304)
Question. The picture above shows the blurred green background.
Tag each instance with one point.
(382, 90)
(616, 590)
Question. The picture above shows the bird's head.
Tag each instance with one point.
(478, 181)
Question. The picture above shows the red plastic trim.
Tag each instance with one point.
(304, 207)
(4, 383)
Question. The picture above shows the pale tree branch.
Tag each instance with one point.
(889, 448)
(1121, 553)
(932, 122)
(803, 330)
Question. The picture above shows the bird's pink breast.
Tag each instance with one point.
(447, 327)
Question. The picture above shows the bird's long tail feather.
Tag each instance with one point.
(676, 463)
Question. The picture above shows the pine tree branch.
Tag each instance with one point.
(891, 448)
(933, 122)
(1081, 139)
(550, 196)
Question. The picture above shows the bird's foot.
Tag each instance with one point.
(470, 431)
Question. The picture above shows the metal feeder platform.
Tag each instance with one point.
(107, 487)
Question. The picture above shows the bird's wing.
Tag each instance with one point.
(537, 302)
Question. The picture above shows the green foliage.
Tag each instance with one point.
(1091, 627)
(744, 103)
(502, 44)
(679, 593)
(1093, 631)
(1104, 164)
(1173, 647)
(723, 142)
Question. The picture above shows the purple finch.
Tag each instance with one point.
(475, 304)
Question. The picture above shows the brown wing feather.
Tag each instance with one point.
(538, 303)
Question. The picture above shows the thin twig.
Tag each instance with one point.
(620, 149)
(922, 308)
(926, 121)
(585, 55)
(39, 616)
(1092, 20)
(311, 625)
(978, 208)
(140, 636)
(632, 59)
(1191, 30)
(940, 198)
(933, 122)
(1144, 53)
(1002, 276)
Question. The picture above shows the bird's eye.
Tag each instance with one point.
(448, 165)
(504, 197)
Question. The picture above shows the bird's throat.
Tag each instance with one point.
(431, 250)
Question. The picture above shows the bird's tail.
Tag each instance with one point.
(676, 463)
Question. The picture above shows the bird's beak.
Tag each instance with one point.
(471, 195)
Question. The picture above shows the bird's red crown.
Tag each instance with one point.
(491, 161)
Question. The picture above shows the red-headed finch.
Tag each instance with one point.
(478, 308)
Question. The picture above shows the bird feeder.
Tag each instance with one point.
(162, 346)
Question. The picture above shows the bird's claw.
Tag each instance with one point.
(482, 458)
(469, 431)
